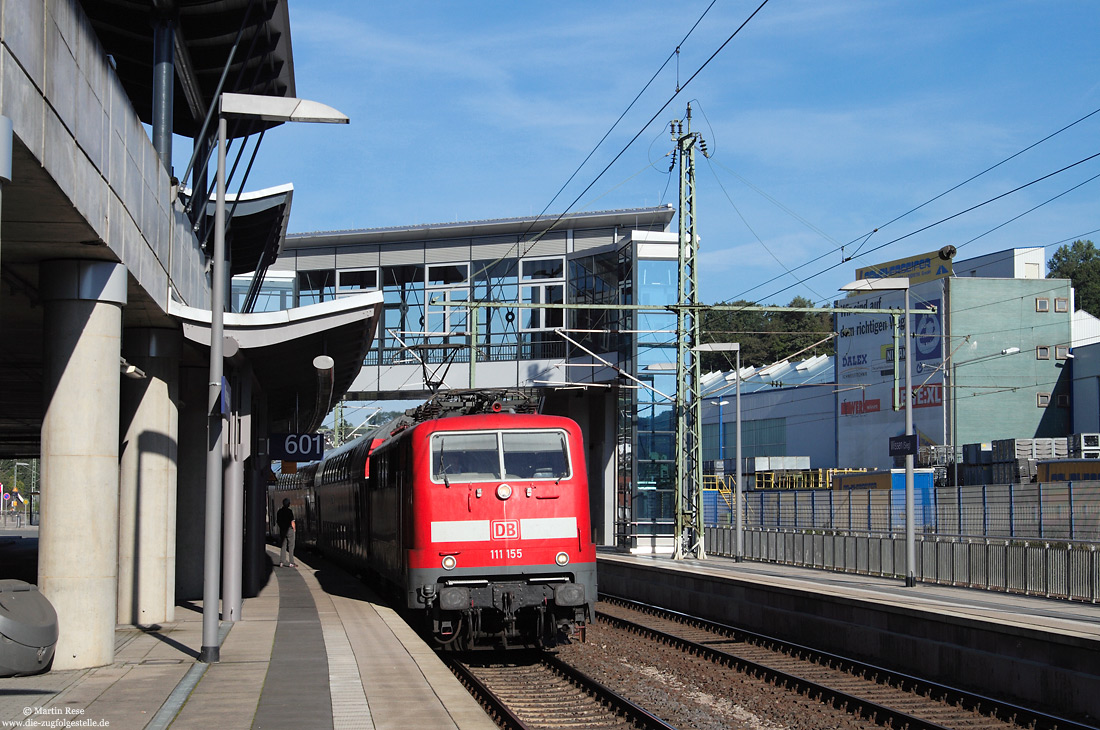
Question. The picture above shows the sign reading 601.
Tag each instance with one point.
(296, 446)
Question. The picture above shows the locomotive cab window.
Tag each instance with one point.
(496, 455)
(535, 455)
(465, 457)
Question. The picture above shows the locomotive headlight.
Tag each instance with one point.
(562, 559)
(504, 491)
(449, 562)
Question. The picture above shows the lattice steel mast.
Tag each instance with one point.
(688, 408)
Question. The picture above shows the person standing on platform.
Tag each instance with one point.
(284, 518)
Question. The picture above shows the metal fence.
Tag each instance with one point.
(1057, 511)
(1038, 539)
(1067, 569)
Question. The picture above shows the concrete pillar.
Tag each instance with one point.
(191, 484)
(147, 479)
(78, 537)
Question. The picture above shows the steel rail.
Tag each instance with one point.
(499, 709)
(1005, 711)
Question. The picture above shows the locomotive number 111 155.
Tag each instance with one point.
(510, 553)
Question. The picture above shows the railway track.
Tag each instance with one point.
(885, 698)
(535, 690)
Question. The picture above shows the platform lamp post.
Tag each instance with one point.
(269, 109)
(721, 431)
(901, 284)
(738, 506)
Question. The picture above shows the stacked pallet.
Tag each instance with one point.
(1084, 446)
(1015, 461)
(977, 466)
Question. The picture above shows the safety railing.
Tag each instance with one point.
(1054, 569)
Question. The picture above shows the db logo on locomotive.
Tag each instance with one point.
(505, 529)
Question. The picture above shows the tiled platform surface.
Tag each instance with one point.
(312, 650)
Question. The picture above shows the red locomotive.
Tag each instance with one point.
(481, 522)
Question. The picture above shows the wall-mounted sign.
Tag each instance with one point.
(296, 446)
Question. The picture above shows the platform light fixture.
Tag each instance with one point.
(268, 109)
(738, 507)
(901, 284)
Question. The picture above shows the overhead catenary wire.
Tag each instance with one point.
(675, 53)
(653, 118)
(922, 228)
(864, 237)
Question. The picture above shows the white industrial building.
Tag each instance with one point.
(998, 352)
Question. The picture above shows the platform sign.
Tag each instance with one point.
(904, 445)
(296, 446)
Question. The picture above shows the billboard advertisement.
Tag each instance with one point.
(871, 381)
(920, 268)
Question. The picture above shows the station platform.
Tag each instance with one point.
(313, 650)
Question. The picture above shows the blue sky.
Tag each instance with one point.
(825, 120)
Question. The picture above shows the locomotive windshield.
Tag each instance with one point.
(494, 455)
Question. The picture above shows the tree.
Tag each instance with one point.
(765, 337)
(1080, 263)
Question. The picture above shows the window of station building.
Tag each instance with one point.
(276, 292)
(1061, 304)
(1063, 400)
(544, 270)
(1042, 352)
(1042, 400)
(444, 320)
(1042, 304)
(1061, 352)
(538, 269)
(317, 286)
(657, 285)
(403, 318)
(446, 284)
(594, 280)
(356, 281)
(498, 327)
(543, 319)
(441, 275)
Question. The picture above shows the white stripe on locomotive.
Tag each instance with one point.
(536, 528)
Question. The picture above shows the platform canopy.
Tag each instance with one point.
(281, 347)
(206, 32)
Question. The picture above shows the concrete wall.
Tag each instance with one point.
(68, 108)
(995, 394)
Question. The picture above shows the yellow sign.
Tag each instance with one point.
(923, 267)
